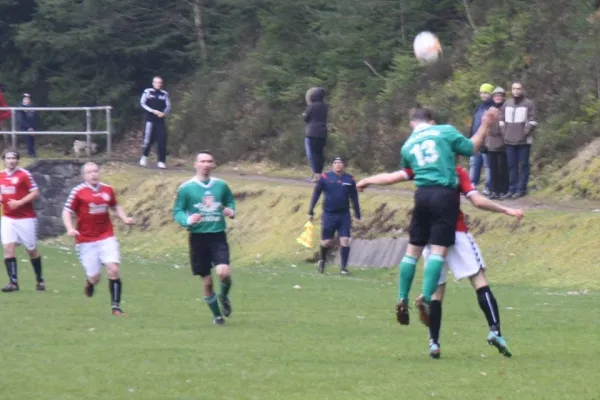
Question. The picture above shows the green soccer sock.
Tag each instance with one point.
(213, 304)
(225, 287)
(431, 277)
(408, 265)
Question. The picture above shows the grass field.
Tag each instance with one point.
(334, 338)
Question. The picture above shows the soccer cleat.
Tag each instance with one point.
(434, 350)
(423, 308)
(218, 320)
(498, 341)
(345, 272)
(40, 286)
(144, 161)
(161, 165)
(88, 288)
(402, 315)
(11, 287)
(117, 312)
(321, 266)
(225, 306)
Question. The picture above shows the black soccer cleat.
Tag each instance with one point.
(117, 312)
(40, 286)
(321, 266)
(11, 287)
(402, 315)
(225, 306)
(219, 320)
(88, 288)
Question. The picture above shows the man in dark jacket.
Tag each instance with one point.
(315, 130)
(480, 160)
(518, 123)
(497, 151)
(157, 105)
(28, 121)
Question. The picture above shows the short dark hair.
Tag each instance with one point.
(207, 152)
(5, 153)
(421, 114)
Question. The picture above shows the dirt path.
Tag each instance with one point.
(529, 203)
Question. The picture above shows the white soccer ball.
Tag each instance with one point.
(427, 47)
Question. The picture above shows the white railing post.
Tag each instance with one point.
(108, 131)
(88, 129)
(13, 128)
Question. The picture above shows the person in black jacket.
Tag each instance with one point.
(315, 131)
(157, 105)
(28, 121)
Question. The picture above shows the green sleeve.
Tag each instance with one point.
(180, 214)
(228, 200)
(404, 160)
(459, 143)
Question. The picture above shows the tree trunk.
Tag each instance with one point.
(469, 17)
(197, 13)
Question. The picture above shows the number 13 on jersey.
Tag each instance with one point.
(425, 152)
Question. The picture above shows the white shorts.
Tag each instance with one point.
(19, 230)
(464, 258)
(93, 255)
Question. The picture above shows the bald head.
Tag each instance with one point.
(91, 173)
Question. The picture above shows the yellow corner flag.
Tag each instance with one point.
(306, 239)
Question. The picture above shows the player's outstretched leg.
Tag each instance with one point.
(36, 263)
(115, 286)
(489, 306)
(435, 324)
(211, 300)
(11, 268)
(224, 274)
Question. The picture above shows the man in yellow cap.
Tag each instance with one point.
(480, 160)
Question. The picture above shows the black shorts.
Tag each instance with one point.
(435, 216)
(208, 250)
(335, 222)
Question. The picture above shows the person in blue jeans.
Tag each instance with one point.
(315, 118)
(518, 124)
(480, 160)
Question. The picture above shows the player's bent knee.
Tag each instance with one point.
(9, 250)
(326, 243)
(94, 279)
(33, 253)
(112, 270)
(223, 271)
(479, 280)
(345, 241)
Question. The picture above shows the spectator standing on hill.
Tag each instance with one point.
(518, 123)
(315, 130)
(480, 160)
(497, 152)
(157, 104)
(28, 121)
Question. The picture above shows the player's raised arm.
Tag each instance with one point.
(487, 121)
(384, 179)
(483, 203)
(315, 196)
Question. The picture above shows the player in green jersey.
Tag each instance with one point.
(201, 206)
(430, 152)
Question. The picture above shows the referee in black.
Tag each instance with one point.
(157, 105)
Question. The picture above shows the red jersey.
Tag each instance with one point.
(91, 205)
(464, 187)
(14, 186)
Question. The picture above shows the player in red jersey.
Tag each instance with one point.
(463, 258)
(18, 191)
(94, 236)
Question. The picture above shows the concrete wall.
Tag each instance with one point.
(379, 253)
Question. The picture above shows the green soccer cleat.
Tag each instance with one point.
(498, 341)
(434, 350)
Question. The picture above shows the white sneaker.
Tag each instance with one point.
(161, 165)
(144, 161)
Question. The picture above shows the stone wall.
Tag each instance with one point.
(380, 253)
(55, 179)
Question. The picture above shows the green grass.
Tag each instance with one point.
(335, 338)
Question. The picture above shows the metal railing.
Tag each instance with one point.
(88, 124)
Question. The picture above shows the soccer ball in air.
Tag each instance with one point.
(427, 47)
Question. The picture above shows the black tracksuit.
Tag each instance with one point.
(155, 129)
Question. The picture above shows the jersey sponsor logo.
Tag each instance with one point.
(208, 204)
(15, 180)
(96, 209)
(5, 189)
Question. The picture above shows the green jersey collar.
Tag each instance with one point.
(204, 185)
(422, 126)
